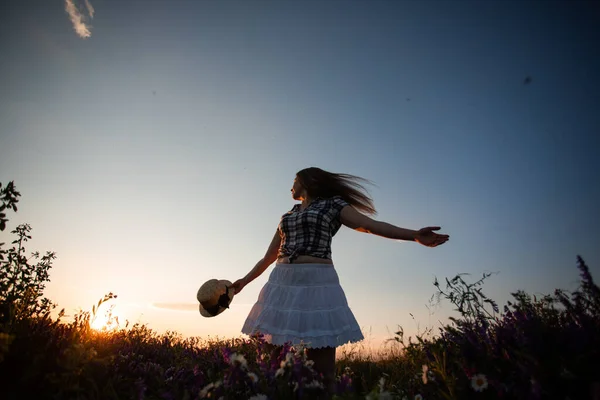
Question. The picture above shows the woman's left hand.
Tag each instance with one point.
(428, 238)
(239, 285)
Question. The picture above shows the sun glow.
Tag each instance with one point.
(106, 319)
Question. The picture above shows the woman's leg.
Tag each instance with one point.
(324, 359)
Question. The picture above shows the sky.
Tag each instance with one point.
(155, 144)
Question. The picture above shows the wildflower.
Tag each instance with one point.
(381, 384)
(309, 363)
(253, 377)
(287, 362)
(424, 377)
(418, 397)
(301, 347)
(479, 382)
(238, 358)
(208, 388)
(344, 382)
(259, 396)
(289, 358)
(314, 385)
(280, 371)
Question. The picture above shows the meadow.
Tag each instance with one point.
(533, 348)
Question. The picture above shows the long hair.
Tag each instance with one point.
(320, 183)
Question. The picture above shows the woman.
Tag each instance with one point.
(303, 300)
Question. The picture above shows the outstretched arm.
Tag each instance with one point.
(261, 265)
(362, 223)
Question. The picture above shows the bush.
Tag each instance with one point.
(537, 348)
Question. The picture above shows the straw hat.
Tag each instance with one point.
(214, 297)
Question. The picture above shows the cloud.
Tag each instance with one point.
(90, 8)
(79, 20)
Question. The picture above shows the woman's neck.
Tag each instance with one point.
(305, 203)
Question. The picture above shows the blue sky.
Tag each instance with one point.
(158, 152)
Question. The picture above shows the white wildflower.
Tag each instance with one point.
(280, 371)
(430, 376)
(253, 377)
(381, 384)
(418, 397)
(238, 358)
(207, 389)
(479, 382)
(314, 385)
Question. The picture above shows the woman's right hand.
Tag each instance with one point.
(239, 285)
(427, 237)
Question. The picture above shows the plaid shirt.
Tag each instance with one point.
(309, 232)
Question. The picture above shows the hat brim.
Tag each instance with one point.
(230, 292)
(206, 314)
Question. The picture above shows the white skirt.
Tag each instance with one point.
(303, 303)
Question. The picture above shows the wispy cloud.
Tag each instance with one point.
(79, 20)
(90, 8)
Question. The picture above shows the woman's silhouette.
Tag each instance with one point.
(303, 301)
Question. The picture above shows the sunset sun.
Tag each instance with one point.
(106, 318)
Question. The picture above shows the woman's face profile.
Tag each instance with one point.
(297, 190)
